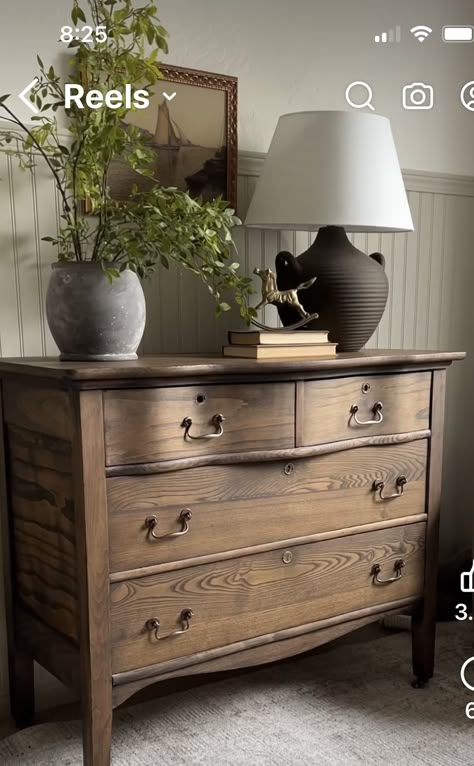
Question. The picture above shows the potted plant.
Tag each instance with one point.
(95, 303)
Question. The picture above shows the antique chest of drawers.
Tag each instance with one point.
(174, 516)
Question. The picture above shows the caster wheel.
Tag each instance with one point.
(418, 683)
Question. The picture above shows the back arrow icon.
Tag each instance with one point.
(25, 100)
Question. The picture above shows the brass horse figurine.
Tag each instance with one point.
(275, 297)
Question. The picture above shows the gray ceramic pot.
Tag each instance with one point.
(91, 318)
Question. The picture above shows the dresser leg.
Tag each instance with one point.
(423, 644)
(97, 735)
(424, 618)
(92, 545)
(22, 689)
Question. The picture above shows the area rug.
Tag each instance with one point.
(348, 706)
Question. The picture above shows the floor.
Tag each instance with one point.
(51, 704)
(348, 704)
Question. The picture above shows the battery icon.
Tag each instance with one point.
(458, 34)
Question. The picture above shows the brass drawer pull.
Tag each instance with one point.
(378, 486)
(217, 420)
(377, 409)
(153, 625)
(151, 522)
(398, 566)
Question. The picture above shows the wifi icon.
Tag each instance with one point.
(421, 32)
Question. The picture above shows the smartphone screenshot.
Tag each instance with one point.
(236, 365)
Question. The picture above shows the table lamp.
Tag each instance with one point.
(333, 172)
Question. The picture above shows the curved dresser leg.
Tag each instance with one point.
(423, 643)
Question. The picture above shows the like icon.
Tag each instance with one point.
(467, 580)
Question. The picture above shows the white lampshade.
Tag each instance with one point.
(331, 169)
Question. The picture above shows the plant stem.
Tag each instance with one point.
(67, 208)
(74, 191)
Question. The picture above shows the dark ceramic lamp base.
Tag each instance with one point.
(350, 292)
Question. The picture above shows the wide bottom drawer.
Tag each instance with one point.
(253, 595)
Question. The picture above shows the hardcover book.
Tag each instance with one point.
(281, 338)
(308, 351)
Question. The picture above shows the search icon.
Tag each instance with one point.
(368, 100)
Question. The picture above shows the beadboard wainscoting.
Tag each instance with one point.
(427, 269)
(431, 305)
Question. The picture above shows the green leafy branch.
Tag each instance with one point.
(161, 225)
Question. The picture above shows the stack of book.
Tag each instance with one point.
(304, 344)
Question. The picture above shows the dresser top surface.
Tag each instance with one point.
(187, 366)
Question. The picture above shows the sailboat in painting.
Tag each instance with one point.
(179, 162)
(168, 140)
(167, 132)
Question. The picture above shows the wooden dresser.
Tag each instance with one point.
(176, 515)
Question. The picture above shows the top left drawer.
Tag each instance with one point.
(147, 425)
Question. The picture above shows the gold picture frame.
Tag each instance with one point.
(194, 130)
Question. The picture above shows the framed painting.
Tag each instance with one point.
(193, 132)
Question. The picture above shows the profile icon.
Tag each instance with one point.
(467, 96)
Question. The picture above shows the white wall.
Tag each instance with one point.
(296, 55)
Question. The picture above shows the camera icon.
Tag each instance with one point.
(418, 95)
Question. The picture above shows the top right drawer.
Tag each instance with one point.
(347, 408)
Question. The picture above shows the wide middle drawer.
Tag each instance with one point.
(254, 595)
(221, 508)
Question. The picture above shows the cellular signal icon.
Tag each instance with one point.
(392, 36)
(421, 32)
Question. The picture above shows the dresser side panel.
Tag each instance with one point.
(39, 408)
(39, 465)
